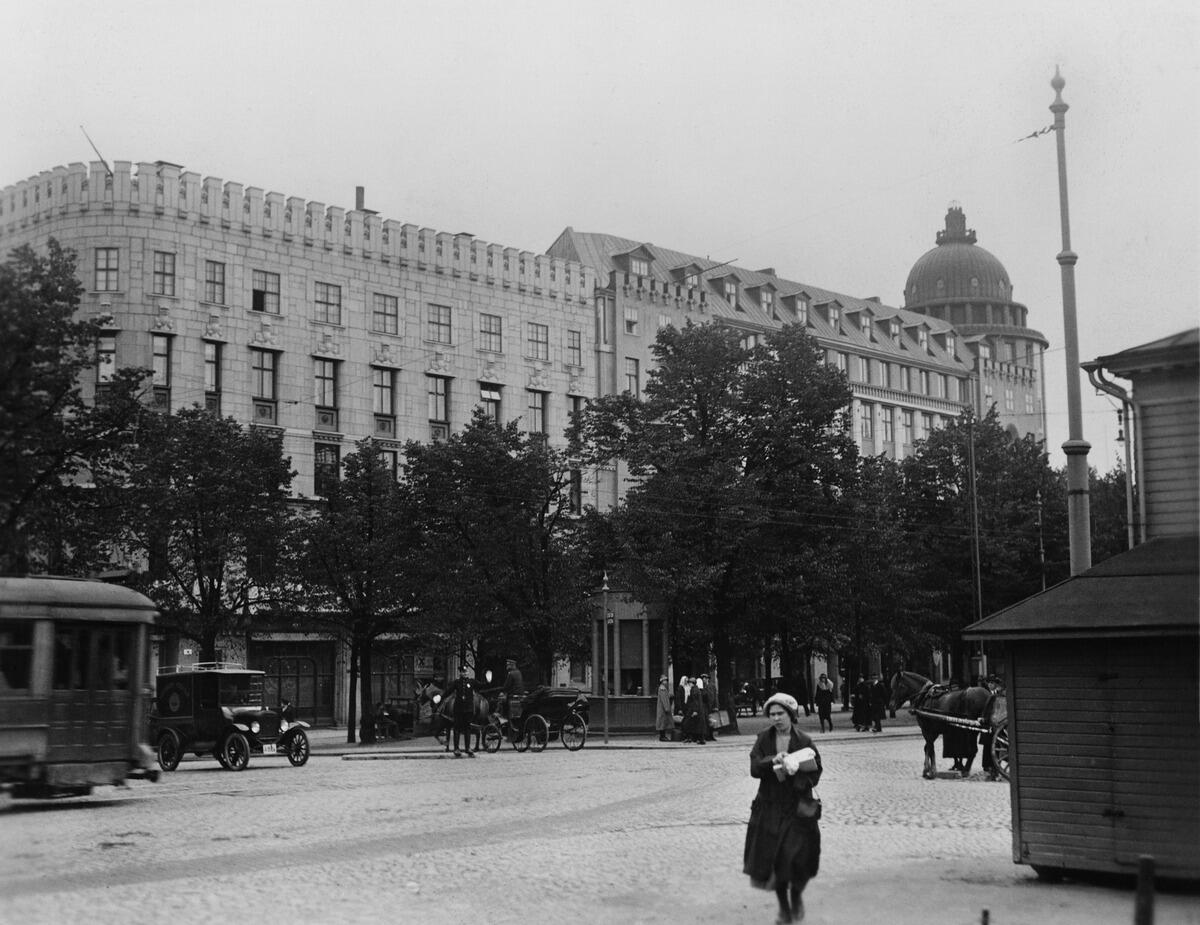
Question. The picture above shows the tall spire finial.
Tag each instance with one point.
(1057, 82)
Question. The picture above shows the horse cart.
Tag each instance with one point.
(979, 712)
(539, 716)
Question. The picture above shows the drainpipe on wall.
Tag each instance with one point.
(1096, 376)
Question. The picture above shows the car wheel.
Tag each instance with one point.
(169, 750)
(235, 752)
(298, 749)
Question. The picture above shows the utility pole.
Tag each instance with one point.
(1076, 448)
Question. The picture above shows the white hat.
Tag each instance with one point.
(787, 701)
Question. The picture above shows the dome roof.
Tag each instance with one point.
(957, 270)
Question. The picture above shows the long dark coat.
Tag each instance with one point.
(779, 847)
(695, 717)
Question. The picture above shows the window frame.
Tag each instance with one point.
(383, 391)
(437, 392)
(574, 348)
(387, 308)
(107, 269)
(325, 382)
(214, 288)
(163, 277)
(327, 302)
(537, 340)
(633, 377)
(262, 295)
(264, 373)
(536, 404)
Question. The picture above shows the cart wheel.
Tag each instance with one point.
(493, 738)
(573, 733)
(169, 750)
(1000, 748)
(537, 733)
(298, 749)
(234, 752)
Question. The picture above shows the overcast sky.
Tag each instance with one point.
(824, 140)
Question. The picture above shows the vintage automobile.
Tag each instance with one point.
(217, 708)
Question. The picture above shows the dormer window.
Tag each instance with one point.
(894, 331)
(985, 351)
(923, 338)
(835, 317)
(766, 301)
(639, 266)
(950, 345)
(802, 310)
(731, 293)
(692, 280)
(864, 325)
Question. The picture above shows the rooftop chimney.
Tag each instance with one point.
(360, 196)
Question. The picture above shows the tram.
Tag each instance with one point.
(74, 666)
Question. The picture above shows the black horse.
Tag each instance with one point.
(969, 704)
(444, 727)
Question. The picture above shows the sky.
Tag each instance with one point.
(825, 140)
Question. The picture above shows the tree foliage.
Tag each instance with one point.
(204, 503)
(506, 556)
(50, 440)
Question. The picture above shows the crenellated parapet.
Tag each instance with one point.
(168, 191)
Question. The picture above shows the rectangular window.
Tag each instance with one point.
(906, 424)
(539, 341)
(391, 462)
(439, 399)
(574, 406)
(923, 381)
(262, 380)
(639, 266)
(766, 301)
(731, 293)
(885, 418)
(926, 425)
(491, 336)
(1009, 402)
(385, 313)
(864, 325)
(802, 311)
(489, 399)
(867, 421)
(835, 318)
(906, 378)
(212, 376)
(325, 382)
(106, 357)
(437, 324)
(575, 348)
(1029, 407)
(894, 331)
(214, 282)
(843, 362)
(575, 496)
(923, 339)
(631, 319)
(632, 378)
(537, 413)
(107, 265)
(164, 273)
(160, 345)
(383, 391)
(16, 654)
(326, 466)
(964, 391)
(950, 344)
(864, 369)
(603, 319)
(328, 299)
(264, 292)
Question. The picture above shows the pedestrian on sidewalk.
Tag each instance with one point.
(708, 693)
(783, 838)
(695, 719)
(880, 695)
(663, 716)
(862, 705)
(824, 699)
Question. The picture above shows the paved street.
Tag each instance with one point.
(602, 835)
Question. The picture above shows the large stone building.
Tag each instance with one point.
(330, 325)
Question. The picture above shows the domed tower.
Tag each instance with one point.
(964, 284)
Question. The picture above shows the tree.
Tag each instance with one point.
(204, 503)
(351, 559)
(739, 456)
(1012, 488)
(495, 505)
(50, 440)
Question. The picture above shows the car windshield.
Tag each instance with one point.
(241, 690)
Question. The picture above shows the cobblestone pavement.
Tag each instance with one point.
(614, 835)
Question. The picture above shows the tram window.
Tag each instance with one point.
(72, 648)
(16, 655)
(112, 659)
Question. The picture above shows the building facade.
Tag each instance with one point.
(327, 325)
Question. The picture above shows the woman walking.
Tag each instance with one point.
(783, 839)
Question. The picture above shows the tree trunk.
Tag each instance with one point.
(366, 680)
(725, 691)
(351, 706)
(208, 646)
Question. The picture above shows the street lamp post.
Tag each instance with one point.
(604, 632)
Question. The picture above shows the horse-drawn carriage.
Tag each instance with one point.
(964, 717)
(542, 714)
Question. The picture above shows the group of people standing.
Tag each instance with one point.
(692, 702)
(870, 704)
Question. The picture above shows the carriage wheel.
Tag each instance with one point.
(234, 751)
(170, 750)
(493, 738)
(573, 733)
(1001, 744)
(537, 733)
(298, 749)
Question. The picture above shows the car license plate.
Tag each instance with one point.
(268, 749)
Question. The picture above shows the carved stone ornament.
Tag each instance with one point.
(575, 380)
(538, 380)
(438, 365)
(213, 329)
(265, 335)
(163, 323)
(491, 371)
(385, 357)
(329, 346)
